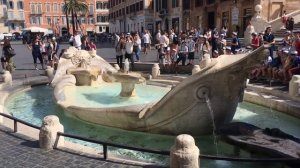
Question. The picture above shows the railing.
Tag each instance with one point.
(16, 120)
(106, 144)
(166, 153)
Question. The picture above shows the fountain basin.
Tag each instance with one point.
(33, 105)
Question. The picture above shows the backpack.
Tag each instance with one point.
(175, 39)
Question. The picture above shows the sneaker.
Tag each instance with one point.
(37, 69)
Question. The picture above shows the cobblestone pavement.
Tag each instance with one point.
(19, 151)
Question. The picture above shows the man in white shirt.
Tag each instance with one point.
(147, 40)
(191, 47)
(77, 40)
(164, 40)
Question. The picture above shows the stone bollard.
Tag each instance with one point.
(7, 78)
(50, 73)
(117, 67)
(294, 86)
(48, 132)
(184, 153)
(205, 61)
(155, 71)
(196, 69)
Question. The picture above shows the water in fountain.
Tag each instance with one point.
(32, 106)
(213, 122)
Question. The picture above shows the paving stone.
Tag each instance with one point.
(19, 151)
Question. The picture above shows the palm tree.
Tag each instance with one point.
(74, 7)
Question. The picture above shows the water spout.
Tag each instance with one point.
(126, 66)
(213, 122)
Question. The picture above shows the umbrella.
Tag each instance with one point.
(36, 30)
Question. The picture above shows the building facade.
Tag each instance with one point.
(12, 16)
(234, 14)
(50, 15)
(102, 24)
(131, 15)
(183, 15)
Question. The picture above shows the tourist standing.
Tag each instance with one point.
(36, 52)
(269, 39)
(284, 19)
(93, 45)
(71, 40)
(85, 43)
(191, 49)
(221, 44)
(137, 46)
(120, 46)
(129, 50)
(224, 31)
(7, 54)
(147, 40)
(77, 40)
(183, 52)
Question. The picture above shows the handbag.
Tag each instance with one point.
(11, 52)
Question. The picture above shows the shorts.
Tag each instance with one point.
(191, 55)
(146, 45)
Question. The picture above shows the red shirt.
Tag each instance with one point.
(93, 46)
(255, 42)
(297, 46)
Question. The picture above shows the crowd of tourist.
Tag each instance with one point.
(283, 62)
(174, 49)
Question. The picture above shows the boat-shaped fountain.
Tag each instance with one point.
(82, 76)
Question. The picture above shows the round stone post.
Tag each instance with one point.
(196, 69)
(184, 153)
(48, 132)
(50, 73)
(155, 71)
(294, 86)
(117, 67)
(7, 78)
(205, 61)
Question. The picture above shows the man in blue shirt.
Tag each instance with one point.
(235, 44)
(269, 39)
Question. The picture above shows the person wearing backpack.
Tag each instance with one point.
(7, 54)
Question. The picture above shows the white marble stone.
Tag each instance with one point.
(50, 73)
(258, 22)
(155, 71)
(196, 69)
(294, 86)
(184, 153)
(48, 132)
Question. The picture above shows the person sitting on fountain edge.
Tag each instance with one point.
(235, 43)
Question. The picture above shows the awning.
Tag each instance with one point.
(90, 29)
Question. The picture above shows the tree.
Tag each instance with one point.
(74, 7)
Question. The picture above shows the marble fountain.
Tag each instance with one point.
(186, 108)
